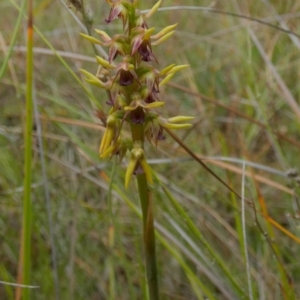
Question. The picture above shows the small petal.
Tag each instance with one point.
(136, 43)
(112, 53)
(114, 12)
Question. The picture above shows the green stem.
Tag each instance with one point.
(27, 207)
(148, 222)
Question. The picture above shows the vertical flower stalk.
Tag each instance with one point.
(25, 255)
(133, 85)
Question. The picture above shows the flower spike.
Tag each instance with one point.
(133, 85)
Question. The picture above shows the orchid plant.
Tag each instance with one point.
(133, 85)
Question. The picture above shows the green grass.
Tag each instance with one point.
(244, 111)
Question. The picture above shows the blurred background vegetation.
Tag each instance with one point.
(243, 89)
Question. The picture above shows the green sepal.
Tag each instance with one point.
(153, 9)
(164, 31)
(91, 39)
(180, 119)
(90, 78)
(130, 169)
(166, 70)
(147, 170)
(104, 63)
(163, 38)
(166, 79)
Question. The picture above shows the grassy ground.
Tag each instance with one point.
(243, 89)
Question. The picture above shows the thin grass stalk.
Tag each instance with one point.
(245, 237)
(27, 206)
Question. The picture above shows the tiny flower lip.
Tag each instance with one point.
(126, 77)
(126, 73)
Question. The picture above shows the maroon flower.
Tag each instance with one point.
(141, 43)
(145, 51)
(137, 116)
(126, 78)
(160, 135)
